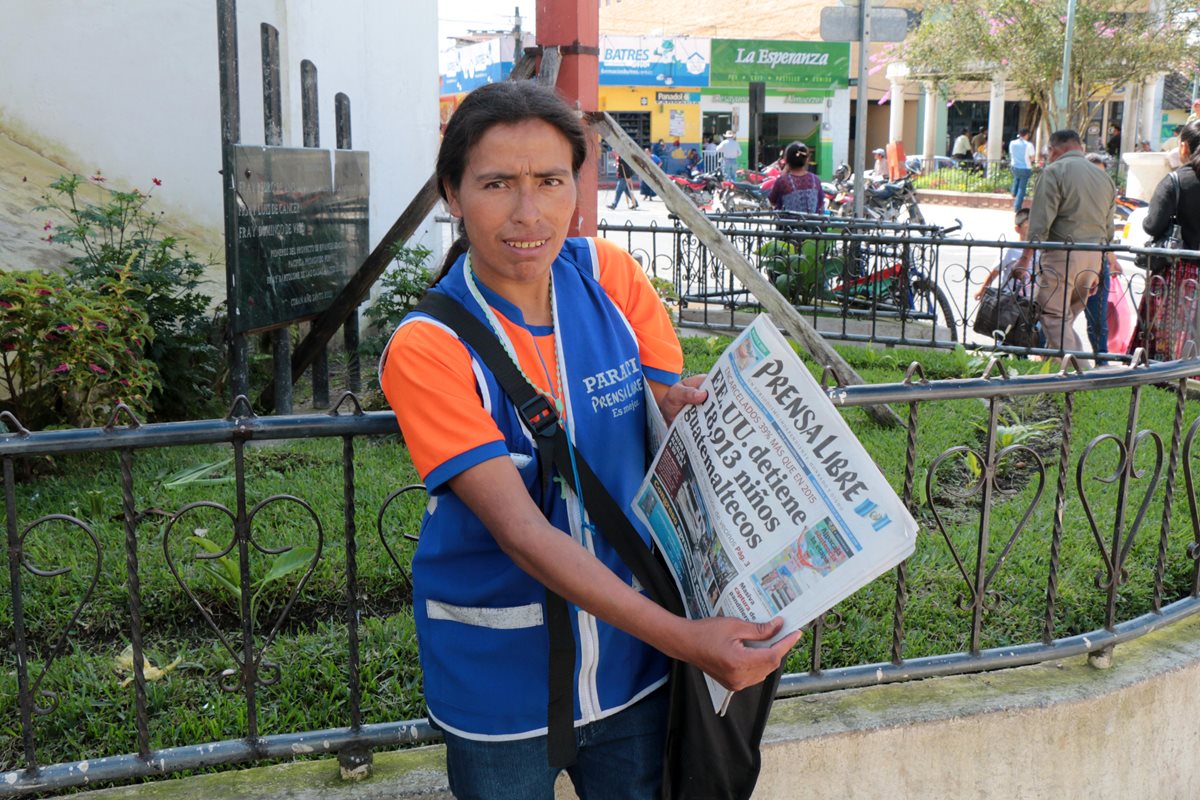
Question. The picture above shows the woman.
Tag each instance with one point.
(797, 189)
(1166, 317)
(624, 175)
(492, 540)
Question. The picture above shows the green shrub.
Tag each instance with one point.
(70, 353)
(400, 289)
(118, 231)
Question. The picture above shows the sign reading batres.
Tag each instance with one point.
(736, 62)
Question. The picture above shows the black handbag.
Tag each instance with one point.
(1008, 317)
(1172, 240)
(707, 757)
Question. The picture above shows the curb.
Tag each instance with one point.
(965, 199)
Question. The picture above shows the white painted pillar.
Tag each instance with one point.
(995, 143)
(1150, 127)
(931, 117)
(896, 112)
(1129, 118)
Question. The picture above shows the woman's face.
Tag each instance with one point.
(516, 200)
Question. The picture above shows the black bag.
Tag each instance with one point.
(1011, 315)
(707, 757)
(1173, 240)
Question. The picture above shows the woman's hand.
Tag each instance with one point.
(719, 646)
(684, 393)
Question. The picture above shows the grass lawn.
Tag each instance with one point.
(94, 714)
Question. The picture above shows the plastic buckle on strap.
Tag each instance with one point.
(539, 415)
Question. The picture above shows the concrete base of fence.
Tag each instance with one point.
(1059, 729)
(965, 199)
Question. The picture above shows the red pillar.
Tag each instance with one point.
(574, 26)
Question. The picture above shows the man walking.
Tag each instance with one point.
(730, 151)
(1019, 151)
(1074, 203)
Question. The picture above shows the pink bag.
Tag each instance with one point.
(1122, 316)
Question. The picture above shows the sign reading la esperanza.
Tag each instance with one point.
(736, 62)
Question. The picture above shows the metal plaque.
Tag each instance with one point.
(840, 24)
(302, 229)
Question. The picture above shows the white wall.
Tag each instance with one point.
(131, 87)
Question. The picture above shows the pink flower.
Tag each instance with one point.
(5, 304)
(61, 368)
(66, 327)
(156, 181)
(97, 178)
(123, 382)
(43, 292)
(48, 226)
(96, 368)
(101, 325)
(10, 346)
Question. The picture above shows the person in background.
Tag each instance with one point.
(1195, 115)
(1074, 202)
(660, 149)
(1113, 145)
(645, 191)
(692, 162)
(496, 538)
(1172, 143)
(730, 151)
(881, 165)
(1096, 309)
(979, 142)
(962, 146)
(624, 173)
(1166, 316)
(797, 189)
(1022, 283)
(1020, 159)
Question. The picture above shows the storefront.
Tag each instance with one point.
(807, 96)
(651, 86)
(465, 68)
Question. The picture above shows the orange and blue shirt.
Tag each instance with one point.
(479, 617)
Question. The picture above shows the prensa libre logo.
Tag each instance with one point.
(773, 58)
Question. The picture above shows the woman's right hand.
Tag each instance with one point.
(720, 646)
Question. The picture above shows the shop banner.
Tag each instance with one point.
(653, 61)
(802, 65)
(465, 68)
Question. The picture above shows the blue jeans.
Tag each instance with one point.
(729, 169)
(1096, 312)
(1019, 185)
(622, 188)
(620, 758)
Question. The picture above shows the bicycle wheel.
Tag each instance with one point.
(927, 298)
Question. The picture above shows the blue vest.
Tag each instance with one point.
(479, 617)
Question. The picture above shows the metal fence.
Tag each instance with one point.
(919, 285)
(1130, 492)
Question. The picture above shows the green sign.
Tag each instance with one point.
(803, 65)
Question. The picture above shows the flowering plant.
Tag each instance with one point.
(116, 234)
(71, 353)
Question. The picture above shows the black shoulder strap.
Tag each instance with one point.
(610, 519)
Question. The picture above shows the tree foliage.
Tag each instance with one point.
(1115, 42)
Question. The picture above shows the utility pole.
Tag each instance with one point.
(862, 107)
(518, 46)
(1062, 92)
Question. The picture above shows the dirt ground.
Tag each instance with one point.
(25, 178)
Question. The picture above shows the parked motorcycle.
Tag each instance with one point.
(883, 201)
(700, 187)
(737, 196)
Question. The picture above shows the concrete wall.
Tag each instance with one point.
(131, 87)
(1062, 729)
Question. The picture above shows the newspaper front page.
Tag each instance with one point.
(762, 500)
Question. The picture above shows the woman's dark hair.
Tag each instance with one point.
(796, 155)
(1191, 136)
(506, 103)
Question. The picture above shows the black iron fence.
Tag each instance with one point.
(921, 285)
(1119, 509)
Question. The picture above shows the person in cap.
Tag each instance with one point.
(730, 151)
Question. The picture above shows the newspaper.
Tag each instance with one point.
(762, 500)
